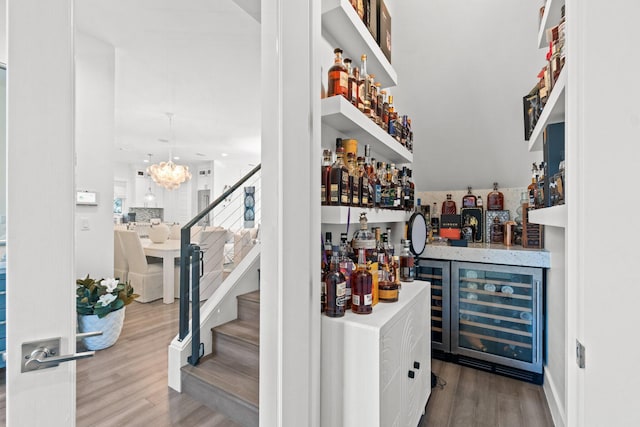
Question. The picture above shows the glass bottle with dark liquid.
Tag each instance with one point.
(363, 183)
(449, 206)
(407, 263)
(354, 197)
(362, 287)
(495, 199)
(339, 178)
(469, 200)
(338, 77)
(325, 178)
(336, 288)
(347, 267)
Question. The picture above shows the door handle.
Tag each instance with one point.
(43, 354)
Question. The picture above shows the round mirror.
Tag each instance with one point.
(417, 232)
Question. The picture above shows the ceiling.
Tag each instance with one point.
(199, 60)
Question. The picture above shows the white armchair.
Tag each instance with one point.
(145, 278)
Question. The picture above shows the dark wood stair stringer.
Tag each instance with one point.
(227, 380)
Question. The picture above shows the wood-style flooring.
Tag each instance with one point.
(126, 385)
(473, 398)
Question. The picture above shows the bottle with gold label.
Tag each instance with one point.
(339, 195)
(338, 77)
(362, 287)
(495, 199)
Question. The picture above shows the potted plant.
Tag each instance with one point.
(100, 305)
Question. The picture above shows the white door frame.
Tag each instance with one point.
(40, 207)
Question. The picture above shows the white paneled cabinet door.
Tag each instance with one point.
(391, 371)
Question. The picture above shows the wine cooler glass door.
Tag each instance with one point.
(497, 313)
(438, 274)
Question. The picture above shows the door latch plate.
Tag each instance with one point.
(51, 344)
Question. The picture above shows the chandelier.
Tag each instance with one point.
(168, 174)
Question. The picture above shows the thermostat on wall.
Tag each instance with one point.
(85, 197)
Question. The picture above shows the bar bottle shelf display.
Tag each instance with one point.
(497, 313)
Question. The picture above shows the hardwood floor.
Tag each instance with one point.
(126, 385)
(473, 398)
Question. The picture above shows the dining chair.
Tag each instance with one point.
(212, 245)
(120, 265)
(145, 278)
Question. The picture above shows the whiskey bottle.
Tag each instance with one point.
(407, 264)
(397, 177)
(449, 206)
(532, 189)
(435, 219)
(363, 183)
(369, 166)
(412, 190)
(495, 199)
(352, 87)
(363, 84)
(338, 77)
(325, 178)
(387, 287)
(497, 231)
(479, 202)
(363, 238)
(336, 288)
(339, 178)
(385, 111)
(354, 197)
(541, 178)
(362, 287)
(393, 116)
(328, 246)
(379, 103)
(373, 98)
(469, 200)
(377, 185)
(347, 267)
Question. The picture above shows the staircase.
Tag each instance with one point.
(227, 379)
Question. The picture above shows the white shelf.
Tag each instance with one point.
(555, 216)
(341, 23)
(553, 111)
(342, 116)
(551, 18)
(340, 215)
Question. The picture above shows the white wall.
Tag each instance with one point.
(463, 68)
(94, 76)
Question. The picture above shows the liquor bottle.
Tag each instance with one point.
(393, 116)
(354, 198)
(387, 287)
(363, 184)
(362, 287)
(363, 238)
(398, 179)
(412, 190)
(449, 206)
(495, 199)
(389, 246)
(405, 203)
(469, 200)
(407, 263)
(363, 84)
(435, 219)
(497, 231)
(328, 246)
(347, 267)
(409, 135)
(373, 98)
(370, 171)
(339, 178)
(377, 185)
(379, 103)
(541, 179)
(352, 87)
(336, 287)
(349, 249)
(532, 189)
(360, 9)
(385, 111)
(479, 202)
(384, 185)
(338, 77)
(325, 178)
(391, 187)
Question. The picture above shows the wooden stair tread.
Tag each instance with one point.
(225, 378)
(251, 296)
(240, 330)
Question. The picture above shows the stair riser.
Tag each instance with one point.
(245, 355)
(249, 311)
(241, 412)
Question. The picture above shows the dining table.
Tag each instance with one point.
(168, 250)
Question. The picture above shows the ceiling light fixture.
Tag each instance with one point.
(168, 174)
(224, 154)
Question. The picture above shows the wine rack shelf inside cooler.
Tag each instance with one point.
(342, 116)
(496, 314)
(341, 23)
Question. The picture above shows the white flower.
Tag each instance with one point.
(110, 283)
(106, 299)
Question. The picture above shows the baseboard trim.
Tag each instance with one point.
(553, 400)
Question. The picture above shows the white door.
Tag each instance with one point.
(40, 207)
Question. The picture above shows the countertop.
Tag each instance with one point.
(491, 253)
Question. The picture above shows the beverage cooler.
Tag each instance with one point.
(488, 316)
